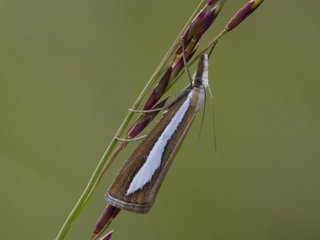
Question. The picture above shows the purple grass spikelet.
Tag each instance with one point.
(190, 40)
(108, 214)
(242, 14)
(145, 119)
(158, 90)
(107, 236)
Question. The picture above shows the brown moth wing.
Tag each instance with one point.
(142, 200)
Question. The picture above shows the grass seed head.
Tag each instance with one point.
(242, 14)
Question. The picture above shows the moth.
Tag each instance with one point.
(137, 184)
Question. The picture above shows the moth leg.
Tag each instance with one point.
(130, 139)
(146, 111)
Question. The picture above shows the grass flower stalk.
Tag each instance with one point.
(167, 72)
(238, 17)
(189, 43)
(113, 149)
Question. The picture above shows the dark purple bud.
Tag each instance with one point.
(192, 29)
(138, 127)
(107, 236)
(242, 14)
(108, 214)
(199, 23)
(163, 83)
(212, 2)
(145, 120)
(159, 90)
(211, 14)
(206, 23)
(151, 100)
(178, 65)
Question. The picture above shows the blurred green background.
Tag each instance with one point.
(69, 70)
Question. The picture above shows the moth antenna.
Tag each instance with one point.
(130, 139)
(186, 69)
(145, 111)
(214, 122)
(201, 124)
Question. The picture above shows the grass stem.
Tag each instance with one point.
(110, 153)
